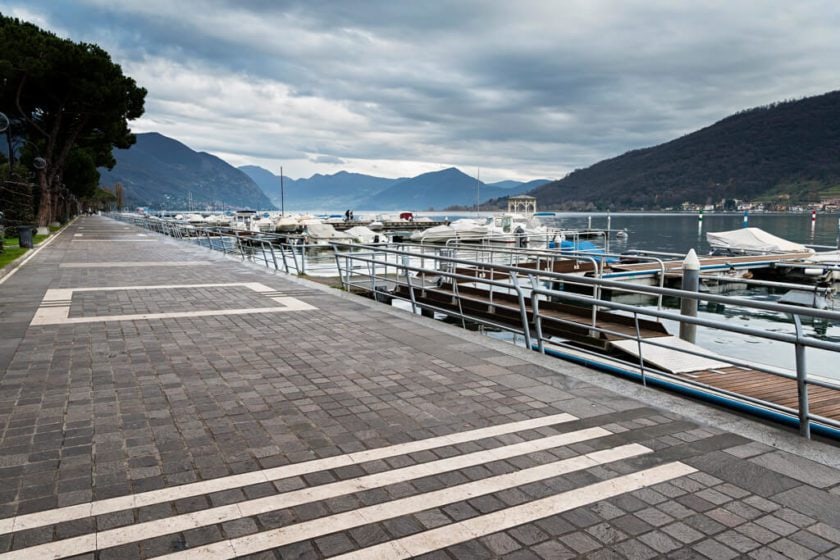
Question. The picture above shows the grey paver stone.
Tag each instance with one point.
(793, 550)
(660, 542)
(634, 548)
(715, 550)
(500, 543)
(580, 542)
(682, 532)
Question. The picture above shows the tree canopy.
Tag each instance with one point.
(68, 103)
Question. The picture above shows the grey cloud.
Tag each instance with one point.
(520, 86)
(327, 159)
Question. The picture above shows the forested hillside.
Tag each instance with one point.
(789, 148)
(163, 173)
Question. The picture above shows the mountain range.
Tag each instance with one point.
(788, 151)
(433, 190)
(161, 172)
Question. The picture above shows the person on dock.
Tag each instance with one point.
(521, 238)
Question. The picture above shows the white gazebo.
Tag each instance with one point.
(522, 204)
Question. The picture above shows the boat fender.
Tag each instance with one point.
(814, 272)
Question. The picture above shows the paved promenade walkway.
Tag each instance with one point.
(158, 400)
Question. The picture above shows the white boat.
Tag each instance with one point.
(245, 220)
(465, 229)
(511, 228)
(362, 234)
(318, 233)
(286, 224)
(752, 241)
(264, 222)
(217, 220)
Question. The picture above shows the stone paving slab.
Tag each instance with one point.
(345, 429)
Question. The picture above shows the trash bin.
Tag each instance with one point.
(25, 236)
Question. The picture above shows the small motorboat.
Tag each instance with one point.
(751, 241)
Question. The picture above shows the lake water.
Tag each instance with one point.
(680, 232)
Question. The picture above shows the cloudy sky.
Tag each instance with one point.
(519, 89)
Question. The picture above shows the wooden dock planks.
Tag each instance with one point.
(823, 401)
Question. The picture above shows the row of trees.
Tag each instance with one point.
(65, 106)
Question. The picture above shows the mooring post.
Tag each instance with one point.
(746, 218)
(688, 306)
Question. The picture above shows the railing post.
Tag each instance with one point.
(802, 382)
(526, 329)
(639, 343)
(688, 306)
(302, 269)
(273, 256)
(535, 308)
(410, 288)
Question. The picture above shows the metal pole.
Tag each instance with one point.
(688, 306)
(523, 312)
(282, 194)
(801, 382)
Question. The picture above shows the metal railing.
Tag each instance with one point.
(407, 273)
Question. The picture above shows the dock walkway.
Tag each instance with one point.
(158, 400)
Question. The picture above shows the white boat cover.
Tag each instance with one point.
(464, 229)
(325, 232)
(753, 240)
(364, 235)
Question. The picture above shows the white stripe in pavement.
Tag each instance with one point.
(126, 264)
(110, 505)
(58, 315)
(212, 516)
(45, 315)
(477, 527)
(274, 538)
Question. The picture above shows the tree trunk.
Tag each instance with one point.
(45, 202)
